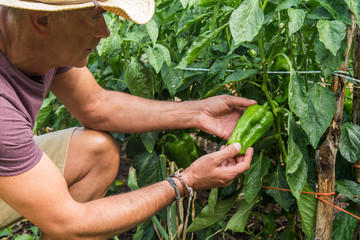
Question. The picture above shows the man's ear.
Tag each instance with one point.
(40, 21)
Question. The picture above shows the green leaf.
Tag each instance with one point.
(297, 17)
(344, 225)
(297, 166)
(237, 76)
(331, 34)
(307, 208)
(45, 112)
(319, 13)
(337, 9)
(157, 56)
(187, 21)
(213, 199)
(198, 46)
(286, 4)
(238, 221)
(253, 177)
(297, 94)
(269, 224)
(24, 237)
(148, 167)
(320, 111)
(354, 6)
(132, 181)
(5, 232)
(111, 46)
(139, 80)
(215, 75)
(328, 63)
(246, 21)
(134, 146)
(349, 189)
(153, 30)
(184, 3)
(149, 139)
(207, 217)
(172, 78)
(350, 142)
(277, 179)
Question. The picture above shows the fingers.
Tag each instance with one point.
(240, 101)
(243, 162)
(226, 152)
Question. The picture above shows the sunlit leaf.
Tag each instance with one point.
(331, 34)
(246, 21)
(297, 17)
(350, 142)
(139, 80)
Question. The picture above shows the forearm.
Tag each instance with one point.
(107, 217)
(120, 112)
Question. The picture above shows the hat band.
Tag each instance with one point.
(67, 2)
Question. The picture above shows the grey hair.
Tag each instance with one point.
(16, 13)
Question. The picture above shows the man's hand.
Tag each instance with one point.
(219, 114)
(218, 169)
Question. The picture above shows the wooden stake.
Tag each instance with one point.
(356, 108)
(326, 155)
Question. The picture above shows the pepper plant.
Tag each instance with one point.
(283, 54)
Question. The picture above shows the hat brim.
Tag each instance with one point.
(138, 11)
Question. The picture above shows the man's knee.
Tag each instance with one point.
(98, 150)
(103, 148)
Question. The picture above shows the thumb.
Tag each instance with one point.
(227, 152)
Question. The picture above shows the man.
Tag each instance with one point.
(46, 47)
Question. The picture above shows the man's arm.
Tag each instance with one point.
(42, 196)
(113, 111)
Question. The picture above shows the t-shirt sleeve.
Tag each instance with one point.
(60, 70)
(18, 151)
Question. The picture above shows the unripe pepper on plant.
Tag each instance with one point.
(255, 122)
(281, 64)
(181, 150)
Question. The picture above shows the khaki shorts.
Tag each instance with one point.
(55, 145)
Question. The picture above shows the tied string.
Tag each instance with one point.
(319, 198)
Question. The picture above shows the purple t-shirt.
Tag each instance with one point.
(20, 101)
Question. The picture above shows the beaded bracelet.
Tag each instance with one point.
(173, 184)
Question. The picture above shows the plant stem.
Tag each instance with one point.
(264, 87)
(265, 90)
(304, 62)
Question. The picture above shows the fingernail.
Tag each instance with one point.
(237, 146)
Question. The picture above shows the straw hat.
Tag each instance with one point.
(139, 11)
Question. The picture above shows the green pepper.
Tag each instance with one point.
(348, 101)
(180, 150)
(281, 64)
(255, 122)
(348, 105)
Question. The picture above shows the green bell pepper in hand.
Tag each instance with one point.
(181, 150)
(255, 122)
